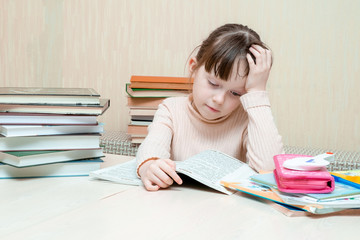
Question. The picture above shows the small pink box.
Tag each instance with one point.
(295, 181)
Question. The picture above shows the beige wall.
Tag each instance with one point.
(314, 84)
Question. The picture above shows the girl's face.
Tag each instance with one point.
(213, 97)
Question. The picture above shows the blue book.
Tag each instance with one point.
(341, 189)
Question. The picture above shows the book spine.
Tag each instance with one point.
(161, 79)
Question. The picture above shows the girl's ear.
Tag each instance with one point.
(192, 64)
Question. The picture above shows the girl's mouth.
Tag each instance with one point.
(212, 109)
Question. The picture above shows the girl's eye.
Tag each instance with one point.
(235, 94)
(212, 84)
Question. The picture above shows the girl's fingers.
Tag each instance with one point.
(259, 54)
(165, 172)
(175, 177)
(254, 51)
(159, 175)
(158, 181)
(250, 60)
(171, 172)
(171, 163)
(150, 186)
(259, 68)
(163, 176)
(258, 48)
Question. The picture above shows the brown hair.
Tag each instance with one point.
(226, 46)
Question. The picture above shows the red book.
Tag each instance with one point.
(160, 79)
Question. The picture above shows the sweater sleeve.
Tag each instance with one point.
(158, 140)
(262, 141)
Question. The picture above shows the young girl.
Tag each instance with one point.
(228, 110)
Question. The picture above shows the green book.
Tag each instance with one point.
(32, 158)
(153, 93)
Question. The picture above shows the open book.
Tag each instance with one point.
(208, 167)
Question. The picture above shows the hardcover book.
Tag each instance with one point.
(140, 123)
(46, 119)
(155, 85)
(40, 130)
(14, 91)
(137, 129)
(32, 158)
(51, 142)
(151, 103)
(160, 79)
(57, 109)
(64, 169)
(142, 118)
(32, 95)
(156, 93)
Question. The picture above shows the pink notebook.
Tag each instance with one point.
(295, 181)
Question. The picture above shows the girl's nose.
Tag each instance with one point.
(219, 97)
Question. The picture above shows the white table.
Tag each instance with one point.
(81, 208)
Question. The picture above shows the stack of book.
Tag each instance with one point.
(345, 196)
(145, 93)
(50, 131)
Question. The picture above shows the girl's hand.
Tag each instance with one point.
(259, 71)
(160, 173)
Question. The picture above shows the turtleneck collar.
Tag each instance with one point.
(195, 113)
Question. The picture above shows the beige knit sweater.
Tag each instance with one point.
(179, 131)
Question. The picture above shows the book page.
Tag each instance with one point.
(124, 173)
(209, 167)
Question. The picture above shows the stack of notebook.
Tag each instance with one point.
(50, 131)
(145, 93)
(309, 195)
